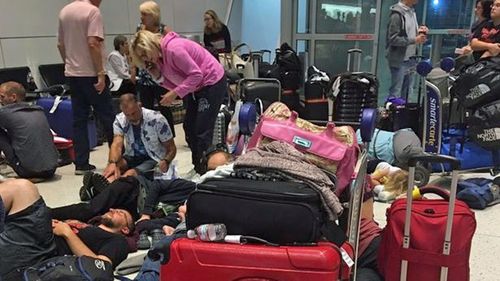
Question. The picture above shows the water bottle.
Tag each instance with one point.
(209, 232)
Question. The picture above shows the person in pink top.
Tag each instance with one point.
(81, 45)
(189, 71)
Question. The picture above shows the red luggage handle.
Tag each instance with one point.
(430, 158)
(445, 194)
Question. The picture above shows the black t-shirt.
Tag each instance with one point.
(220, 40)
(488, 33)
(101, 242)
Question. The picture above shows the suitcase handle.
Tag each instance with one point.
(434, 158)
(445, 194)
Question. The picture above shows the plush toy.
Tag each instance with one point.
(389, 182)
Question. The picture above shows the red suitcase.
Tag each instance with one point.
(432, 245)
(192, 260)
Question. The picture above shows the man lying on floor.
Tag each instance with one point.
(28, 234)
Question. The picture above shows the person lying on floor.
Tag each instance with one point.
(29, 235)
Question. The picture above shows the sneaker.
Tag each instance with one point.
(99, 182)
(83, 169)
(157, 235)
(143, 243)
(86, 192)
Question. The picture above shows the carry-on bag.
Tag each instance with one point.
(332, 148)
(263, 91)
(427, 239)
(196, 260)
(478, 84)
(276, 211)
(59, 113)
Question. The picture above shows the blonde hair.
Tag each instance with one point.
(147, 42)
(217, 22)
(151, 8)
(397, 182)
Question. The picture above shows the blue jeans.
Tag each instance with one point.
(150, 270)
(84, 95)
(403, 79)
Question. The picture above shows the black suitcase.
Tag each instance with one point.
(279, 212)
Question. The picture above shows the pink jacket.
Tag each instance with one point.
(186, 66)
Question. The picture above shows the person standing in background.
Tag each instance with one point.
(189, 71)
(215, 34)
(403, 35)
(81, 45)
(149, 91)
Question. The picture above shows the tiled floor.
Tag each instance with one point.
(485, 245)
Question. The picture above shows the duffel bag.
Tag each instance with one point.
(277, 211)
(484, 125)
(332, 148)
(478, 84)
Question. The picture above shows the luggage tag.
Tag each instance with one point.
(57, 101)
(347, 259)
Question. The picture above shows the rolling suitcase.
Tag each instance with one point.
(221, 124)
(354, 90)
(427, 239)
(60, 116)
(192, 260)
(265, 90)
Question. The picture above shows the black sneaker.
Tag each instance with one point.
(143, 243)
(80, 170)
(86, 191)
(99, 182)
(157, 235)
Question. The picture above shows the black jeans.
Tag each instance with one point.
(367, 263)
(84, 95)
(13, 161)
(124, 194)
(202, 108)
(149, 95)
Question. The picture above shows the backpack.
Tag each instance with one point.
(70, 268)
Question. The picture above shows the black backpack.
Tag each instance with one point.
(70, 268)
(478, 84)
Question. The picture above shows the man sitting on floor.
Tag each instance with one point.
(30, 235)
(147, 139)
(25, 136)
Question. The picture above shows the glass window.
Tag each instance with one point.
(345, 16)
(303, 16)
(331, 56)
(447, 42)
(449, 14)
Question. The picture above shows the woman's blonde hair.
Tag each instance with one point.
(151, 8)
(397, 182)
(145, 42)
(217, 22)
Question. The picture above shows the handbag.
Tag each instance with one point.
(234, 61)
(334, 149)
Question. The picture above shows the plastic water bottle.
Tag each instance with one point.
(171, 174)
(208, 232)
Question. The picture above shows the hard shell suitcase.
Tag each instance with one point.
(192, 260)
(60, 118)
(427, 239)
